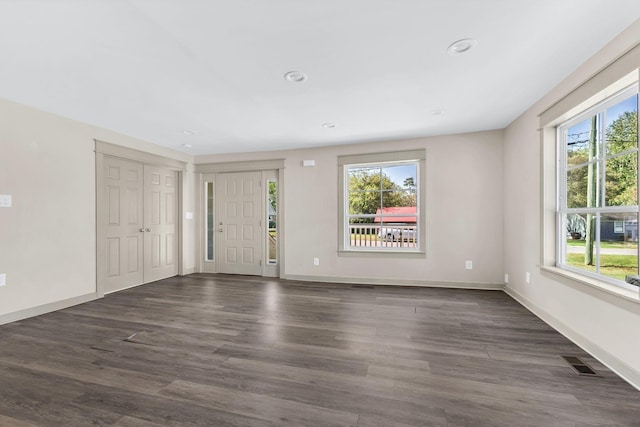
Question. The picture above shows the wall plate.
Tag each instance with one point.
(5, 201)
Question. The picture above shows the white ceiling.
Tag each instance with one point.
(376, 68)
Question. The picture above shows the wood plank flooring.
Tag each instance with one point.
(214, 350)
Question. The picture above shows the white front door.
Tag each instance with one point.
(238, 223)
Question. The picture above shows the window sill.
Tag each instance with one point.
(627, 294)
(381, 254)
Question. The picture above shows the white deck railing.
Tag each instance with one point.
(383, 235)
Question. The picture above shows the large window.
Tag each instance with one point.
(598, 190)
(381, 203)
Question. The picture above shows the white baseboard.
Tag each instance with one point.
(628, 373)
(394, 282)
(46, 308)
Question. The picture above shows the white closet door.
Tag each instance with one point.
(138, 209)
(160, 223)
(123, 204)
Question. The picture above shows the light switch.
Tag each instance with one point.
(5, 200)
(3, 279)
(188, 215)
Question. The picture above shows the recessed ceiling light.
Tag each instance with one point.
(190, 132)
(461, 46)
(187, 145)
(295, 76)
(328, 125)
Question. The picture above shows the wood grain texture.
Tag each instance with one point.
(216, 350)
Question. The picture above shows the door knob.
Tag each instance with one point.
(141, 230)
(220, 230)
(148, 230)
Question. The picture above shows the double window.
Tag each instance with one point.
(381, 202)
(598, 190)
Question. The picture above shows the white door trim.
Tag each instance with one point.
(126, 153)
(207, 173)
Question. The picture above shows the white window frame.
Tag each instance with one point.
(562, 210)
(381, 159)
(618, 227)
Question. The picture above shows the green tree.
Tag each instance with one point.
(410, 182)
(273, 191)
(577, 178)
(367, 188)
(621, 181)
(273, 202)
(410, 195)
(622, 171)
(621, 187)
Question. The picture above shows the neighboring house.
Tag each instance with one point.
(619, 230)
(402, 227)
(409, 219)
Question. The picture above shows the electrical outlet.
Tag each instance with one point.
(316, 261)
(527, 277)
(506, 278)
(468, 265)
(3, 279)
(5, 201)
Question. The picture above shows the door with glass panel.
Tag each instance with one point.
(241, 223)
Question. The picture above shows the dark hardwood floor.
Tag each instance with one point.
(217, 350)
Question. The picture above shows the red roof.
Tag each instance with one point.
(406, 210)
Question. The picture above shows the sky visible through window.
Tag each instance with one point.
(398, 174)
(580, 132)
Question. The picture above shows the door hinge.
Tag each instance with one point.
(260, 262)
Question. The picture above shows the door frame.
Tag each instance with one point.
(105, 149)
(207, 172)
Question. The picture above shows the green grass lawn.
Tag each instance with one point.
(616, 266)
(617, 245)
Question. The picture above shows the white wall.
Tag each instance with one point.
(464, 212)
(604, 324)
(47, 239)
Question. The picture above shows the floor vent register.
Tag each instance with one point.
(580, 367)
